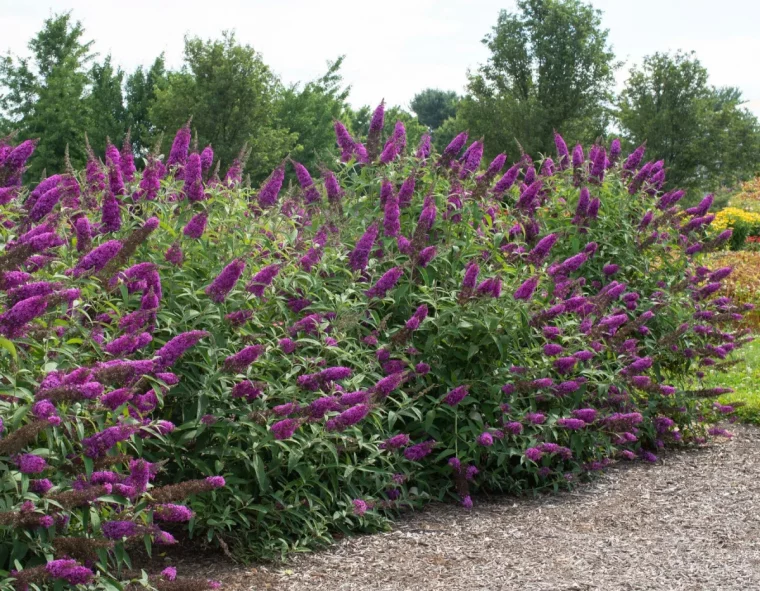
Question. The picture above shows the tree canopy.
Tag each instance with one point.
(550, 68)
(702, 132)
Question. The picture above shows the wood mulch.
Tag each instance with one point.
(691, 522)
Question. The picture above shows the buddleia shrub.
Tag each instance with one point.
(397, 327)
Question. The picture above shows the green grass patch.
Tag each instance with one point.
(744, 378)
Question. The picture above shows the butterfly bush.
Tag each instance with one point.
(269, 366)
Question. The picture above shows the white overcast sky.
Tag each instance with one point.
(394, 48)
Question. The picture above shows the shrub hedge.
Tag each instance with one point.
(292, 362)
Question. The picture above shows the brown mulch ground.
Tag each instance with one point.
(691, 523)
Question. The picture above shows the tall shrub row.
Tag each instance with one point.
(184, 357)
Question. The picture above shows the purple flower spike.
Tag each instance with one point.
(225, 281)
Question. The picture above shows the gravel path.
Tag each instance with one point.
(691, 523)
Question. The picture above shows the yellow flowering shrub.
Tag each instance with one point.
(729, 216)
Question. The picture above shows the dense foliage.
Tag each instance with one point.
(299, 362)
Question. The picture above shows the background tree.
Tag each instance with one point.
(309, 111)
(550, 68)
(230, 93)
(140, 90)
(704, 135)
(106, 105)
(43, 96)
(433, 106)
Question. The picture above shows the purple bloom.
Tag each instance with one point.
(359, 257)
(634, 159)
(225, 281)
(207, 158)
(578, 156)
(552, 349)
(116, 530)
(332, 187)
(395, 442)
(167, 355)
(507, 180)
(172, 513)
(422, 369)
(246, 389)
(610, 269)
(533, 453)
(98, 258)
(348, 417)
(485, 439)
(193, 187)
(31, 464)
(12, 323)
(45, 204)
(416, 452)
(271, 189)
(110, 213)
(40, 486)
(70, 571)
(360, 507)
(572, 424)
(385, 283)
(471, 159)
(565, 364)
(241, 360)
(525, 291)
(542, 248)
(388, 384)
(392, 223)
(535, 418)
(423, 150)
(180, 146)
(196, 226)
(456, 396)
(454, 147)
(563, 153)
(170, 572)
(284, 429)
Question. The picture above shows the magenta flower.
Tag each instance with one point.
(110, 213)
(270, 191)
(180, 147)
(70, 571)
(284, 429)
(172, 513)
(571, 424)
(563, 154)
(388, 384)
(392, 223)
(395, 442)
(359, 257)
(196, 226)
(456, 396)
(423, 150)
(31, 464)
(225, 281)
(168, 355)
(526, 290)
(506, 181)
(416, 452)
(193, 187)
(241, 360)
(263, 279)
(385, 283)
